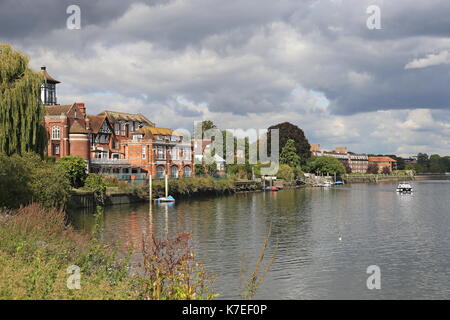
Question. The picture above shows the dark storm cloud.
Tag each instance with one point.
(35, 18)
(259, 51)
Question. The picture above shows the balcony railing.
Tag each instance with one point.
(109, 161)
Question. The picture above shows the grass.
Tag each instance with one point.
(37, 247)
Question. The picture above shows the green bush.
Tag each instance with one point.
(25, 179)
(185, 187)
(96, 183)
(75, 169)
(285, 172)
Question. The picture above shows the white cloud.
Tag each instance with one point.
(432, 59)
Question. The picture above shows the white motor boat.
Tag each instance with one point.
(327, 184)
(404, 187)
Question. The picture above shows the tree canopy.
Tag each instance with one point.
(290, 131)
(326, 165)
(289, 154)
(21, 111)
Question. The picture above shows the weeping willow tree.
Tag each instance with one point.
(21, 110)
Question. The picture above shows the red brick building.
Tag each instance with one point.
(384, 162)
(126, 145)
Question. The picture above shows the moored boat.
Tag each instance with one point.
(404, 187)
(166, 199)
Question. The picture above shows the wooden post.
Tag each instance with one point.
(167, 186)
(150, 186)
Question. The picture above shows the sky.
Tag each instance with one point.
(252, 64)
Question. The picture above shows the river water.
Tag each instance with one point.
(323, 239)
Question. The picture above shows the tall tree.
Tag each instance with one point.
(21, 111)
(289, 154)
(289, 131)
(423, 162)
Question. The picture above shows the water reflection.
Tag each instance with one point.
(324, 239)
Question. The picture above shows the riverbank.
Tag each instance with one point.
(207, 187)
(178, 188)
(376, 178)
(41, 257)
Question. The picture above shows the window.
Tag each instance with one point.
(174, 153)
(187, 171)
(56, 133)
(123, 132)
(160, 154)
(136, 137)
(174, 172)
(160, 172)
(55, 148)
(187, 154)
(144, 152)
(117, 128)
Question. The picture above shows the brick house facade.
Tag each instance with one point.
(358, 163)
(125, 145)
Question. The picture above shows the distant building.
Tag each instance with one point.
(358, 163)
(411, 160)
(384, 162)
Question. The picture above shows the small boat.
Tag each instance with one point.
(327, 184)
(339, 183)
(166, 199)
(404, 187)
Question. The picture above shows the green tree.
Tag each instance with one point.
(423, 162)
(285, 172)
(437, 165)
(289, 131)
(74, 168)
(326, 165)
(289, 154)
(212, 168)
(21, 111)
(199, 170)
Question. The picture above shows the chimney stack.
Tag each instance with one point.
(82, 108)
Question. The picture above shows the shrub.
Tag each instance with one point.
(37, 247)
(95, 183)
(285, 172)
(74, 168)
(172, 272)
(27, 178)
